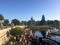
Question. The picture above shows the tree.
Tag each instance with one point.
(31, 22)
(1, 17)
(1, 20)
(37, 22)
(6, 22)
(53, 23)
(42, 22)
(15, 22)
(50, 23)
(23, 23)
(16, 32)
(56, 23)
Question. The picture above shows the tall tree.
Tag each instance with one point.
(6, 22)
(50, 22)
(1, 17)
(37, 22)
(1, 20)
(56, 23)
(42, 22)
(23, 22)
(31, 21)
(15, 22)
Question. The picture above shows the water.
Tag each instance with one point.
(56, 38)
(38, 34)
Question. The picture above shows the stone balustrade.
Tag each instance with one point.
(3, 36)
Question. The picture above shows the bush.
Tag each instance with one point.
(16, 32)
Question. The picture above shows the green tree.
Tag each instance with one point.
(23, 23)
(16, 32)
(37, 22)
(53, 23)
(31, 22)
(15, 22)
(56, 23)
(1, 17)
(42, 22)
(6, 22)
(1, 21)
(50, 23)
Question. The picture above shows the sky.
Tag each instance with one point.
(25, 9)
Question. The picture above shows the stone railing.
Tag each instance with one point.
(3, 36)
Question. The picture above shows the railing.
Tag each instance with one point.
(4, 31)
(3, 36)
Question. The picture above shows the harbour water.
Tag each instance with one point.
(56, 38)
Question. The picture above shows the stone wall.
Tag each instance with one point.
(3, 36)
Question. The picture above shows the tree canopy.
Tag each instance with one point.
(6, 22)
(1, 17)
(16, 31)
(31, 22)
(15, 22)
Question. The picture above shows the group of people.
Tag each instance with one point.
(31, 40)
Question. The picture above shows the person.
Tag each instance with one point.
(33, 42)
(7, 34)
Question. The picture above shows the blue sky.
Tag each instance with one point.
(25, 9)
